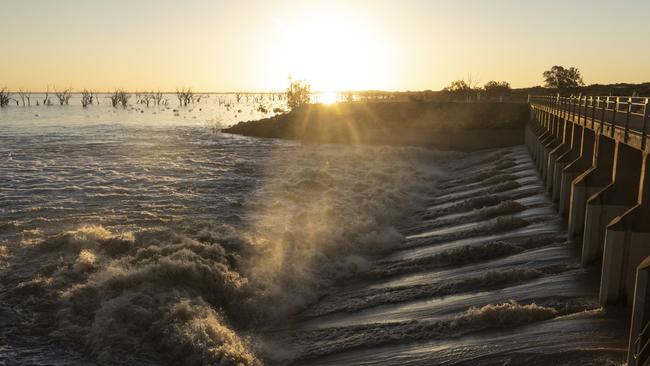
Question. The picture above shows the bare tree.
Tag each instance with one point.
(123, 98)
(87, 98)
(147, 98)
(119, 97)
(63, 96)
(46, 98)
(185, 96)
(25, 95)
(5, 97)
(158, 97)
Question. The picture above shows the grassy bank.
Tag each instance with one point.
(449, 125)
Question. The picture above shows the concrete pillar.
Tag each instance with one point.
(565, 159)
(544, 139)
(627, 243)
(537, 134)
(636, 355)
(565, 134)
(613, 200)
(575, 169)
(555, 142)
(590, 182)
(547, 136)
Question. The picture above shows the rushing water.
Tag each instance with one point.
(144, 236)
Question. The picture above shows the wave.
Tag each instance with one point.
(193, 292)
(500, 187)
(322, 342)
(502, 208)
(464, 205)
(359, 300)
(450, 257)
(498, 224)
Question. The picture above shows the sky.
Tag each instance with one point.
(245, 45)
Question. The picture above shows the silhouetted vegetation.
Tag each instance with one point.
(5, 97)
(185, 96)
(46, 98)
(119, 97)
(298, 93)
(406, 123)
(63, 96)
(87, 98)
(460, 90)
(25, 96)
(497, 89)
(564, 80)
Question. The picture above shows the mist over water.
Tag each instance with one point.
(146, 240)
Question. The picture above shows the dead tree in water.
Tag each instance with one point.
(119, 97)
(5, 97)
(185, 96)
(87, 98)
(147, 98)
(158, 97)
(25, 95)
(46, 98)
(63, 96)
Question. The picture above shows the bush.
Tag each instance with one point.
(298, 93)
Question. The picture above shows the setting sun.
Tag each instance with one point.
(332, 52)
(327, 97)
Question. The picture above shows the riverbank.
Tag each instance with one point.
(441, 125)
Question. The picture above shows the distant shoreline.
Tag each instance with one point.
(440, 125)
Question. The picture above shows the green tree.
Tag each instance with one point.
(563, 79)
(298, 93)
(459, 90)
(496, 89)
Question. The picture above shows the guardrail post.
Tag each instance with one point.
(584, 123)
(593, 113)
(573, 109)
(602, 115)
(645, 127)
(611, 132)
(627, 119)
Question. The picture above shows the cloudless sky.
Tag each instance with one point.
(215, 45)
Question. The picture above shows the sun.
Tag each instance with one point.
(327, 97)
(331, 52)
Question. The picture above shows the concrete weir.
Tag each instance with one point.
(611, 201)
(591, 155)
(573, 170)
(627, 243)
(589, 183)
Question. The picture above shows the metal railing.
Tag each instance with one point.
(641, 346)
(629, 115)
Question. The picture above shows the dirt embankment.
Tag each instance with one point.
(463, 126)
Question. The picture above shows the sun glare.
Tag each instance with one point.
(330, 52)
(327, 97)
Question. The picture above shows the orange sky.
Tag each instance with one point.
(335, 45)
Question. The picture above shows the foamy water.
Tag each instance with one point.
(144, 236)
(484, 276)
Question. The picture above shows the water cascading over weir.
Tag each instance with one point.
(592, 155)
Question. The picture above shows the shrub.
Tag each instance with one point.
(298, 93)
